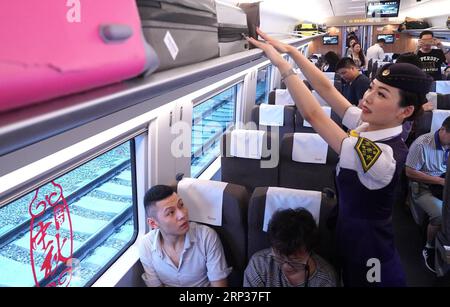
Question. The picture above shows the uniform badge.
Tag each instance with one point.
(368, 153)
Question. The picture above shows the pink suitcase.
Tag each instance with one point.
(51, 48)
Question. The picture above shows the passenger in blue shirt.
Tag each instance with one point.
(426, 165)
(371, 157)
(356, 84)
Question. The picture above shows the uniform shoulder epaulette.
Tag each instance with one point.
(353, 133)
(368, 152)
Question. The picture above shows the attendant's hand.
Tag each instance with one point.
(273, 55)
(280, 46)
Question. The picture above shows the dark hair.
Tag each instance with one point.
(291, 230)
(381, 40)
(351, 37)
(410, 58)
(412, 99)
(156, 193)
(426, 32)
(331, 58)
(361, 56)
(446, 124)
(345, 63)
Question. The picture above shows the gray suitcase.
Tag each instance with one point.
(181, 31)
(232, 28)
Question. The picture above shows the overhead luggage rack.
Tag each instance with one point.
(118, 103)
(440, 33)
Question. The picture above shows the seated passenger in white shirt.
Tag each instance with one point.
(176, 252)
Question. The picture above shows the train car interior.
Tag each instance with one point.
(101, 107)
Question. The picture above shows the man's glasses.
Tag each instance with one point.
(295, 264)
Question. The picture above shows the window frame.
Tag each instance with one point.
(80, 162)
(238, 83)
(269, 82)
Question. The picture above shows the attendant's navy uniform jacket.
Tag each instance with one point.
(367, 174)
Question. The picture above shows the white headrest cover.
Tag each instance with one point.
(309, 148)
(282, 97)
(246, 143)
(283, 198)
(203, 198)
(271, 115)
(438, 118)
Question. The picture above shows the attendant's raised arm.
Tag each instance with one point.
(304, 100)
(317, 78)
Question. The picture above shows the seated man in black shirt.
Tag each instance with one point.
(431, 58)
(355, 84)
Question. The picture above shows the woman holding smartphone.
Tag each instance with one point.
(371, 157)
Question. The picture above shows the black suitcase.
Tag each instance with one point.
(253, 18)
(181, 31)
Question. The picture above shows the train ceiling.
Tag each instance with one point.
(320, 10)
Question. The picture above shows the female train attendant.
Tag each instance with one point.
(371, 157)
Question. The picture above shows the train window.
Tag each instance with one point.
(69, 230)
(211, 118)
(263, 85)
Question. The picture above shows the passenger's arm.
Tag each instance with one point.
(253, 274)
(305, 101)
(150, 277)
(219, 283)
(317, 78)
(422, 177)
(216, 264)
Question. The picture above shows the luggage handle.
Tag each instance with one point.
(115, 33)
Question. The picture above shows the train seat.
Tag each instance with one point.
(282, 97)
(442, 260)
(266, 200)
(439, 101)
(274, 119)
(303, 126)
(250, 158)
(429, 121)
(442, 101)
(306, 169)
(230, 222)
